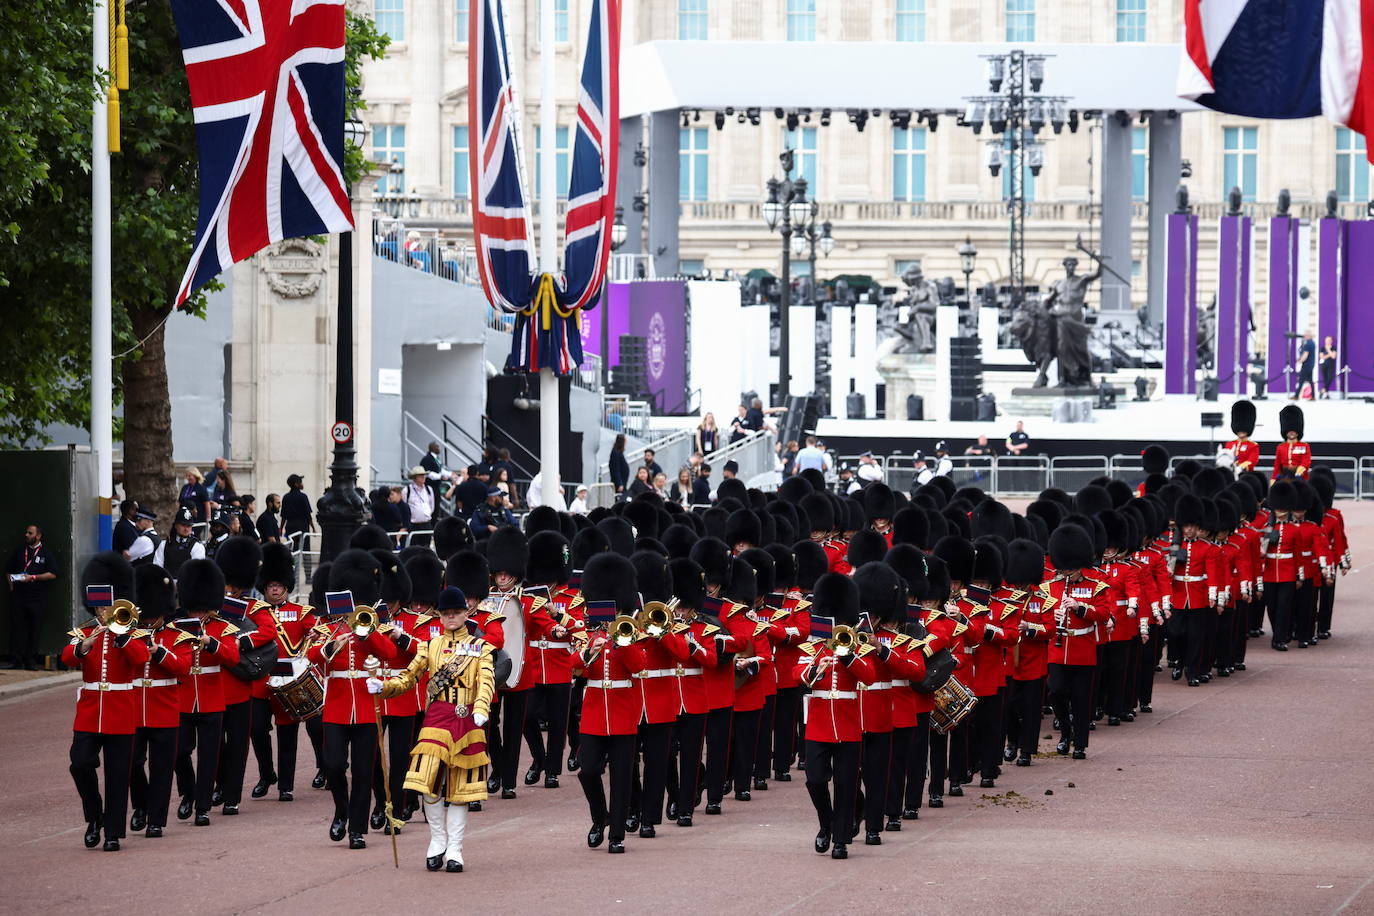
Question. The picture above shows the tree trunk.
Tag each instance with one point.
(148, 473)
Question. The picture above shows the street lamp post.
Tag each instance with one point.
(786, 210)
(340, 509)
(619, 233)
(967, 256)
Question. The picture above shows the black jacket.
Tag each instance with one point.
(620, 470)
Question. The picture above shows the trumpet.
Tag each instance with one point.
(843, 641)
(363, 621)
(654, 620)
(123, 617)
(625, 630)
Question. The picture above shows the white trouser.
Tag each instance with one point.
(457, 823)
(438, 830)
(446, 826)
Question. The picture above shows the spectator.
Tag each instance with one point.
(222, 492)
(730, 470)
(472, 492)
(651, 464)
(388, 511)
(681, 490)
(435, 473)
(701, 486)
(296, 515)
(981, 448)
(1307, 359)
(1018, 441)
(737, 428)
(847, 483)
(642, 482)
(619, 467)
(535, 497)
(194, 496)
(707, 438)
(788, 457)
(694, 463)
(501, 463)
(419, 500)
(579, 503)
(502, 479)
(491, 515)
(247, 503)
(754, 417)
(220, 464)
(661, 485)
(269, 524)
(1328, 365)
(125, 530)
(32, 569)
(219, 533)
(869, 468)
(811, 457)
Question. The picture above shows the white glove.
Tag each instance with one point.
(792, 631)
(374, 685)
(479, 719)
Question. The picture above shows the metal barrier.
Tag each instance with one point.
(1365, 478)
(1346, 470)
(1070, 472)
(972, 471)
(1020, 475)
(900, 471)
(1128, 465)
(754, 455)
(598, 494)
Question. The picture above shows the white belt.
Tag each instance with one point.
(390, 672)
(103, 686)
(877, 685)
(156, 682)
(1278, 556)
(834, 695)
(1307, 553)
(349, 675)
(1123, 602)
(658, 672)
(686, 672)
(206, 669)
(898, 682)
(1190, 578)
(1083, 631)
(609, 685)
(545, 644)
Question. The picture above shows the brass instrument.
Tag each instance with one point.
(123, 617)
(865, 638)
(625, 630)
(363, 621)
(654, 620)
(843, 641)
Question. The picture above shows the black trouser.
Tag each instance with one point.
(1196, 624)
(717, 752)
(260, 733)
(85, 760)
(837, 762)
(896, 771)
(1257, 607)
(1071, 697)
(151, 792)
(508, 722)
(939, 761)
(579, 687)
(26, 620)
(987, 734)
(786, 708)
(1305, 616)
(1025, 713)
(314, 729)
(744, 739)
(763, 746)
(656, 744)
(551, 701)
(1326, 604)
(1240, 630)
(684, 761)
(1278, 601)
(1116, 656)
(596, 752)
(288, 738)
(1150, 654)
(200, 732)
(874, 765)
(1134, 653)
(1224, 642)
(1176, 629)
(1304, 378)
(959, 751)
(350, 747)
(916, 760)
(233, 760)
(401, 732)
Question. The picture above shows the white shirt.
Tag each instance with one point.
(421, 502)
(579, 506)
(197, 552)
(812, 457)
(870, 472)
(943, 466)
(534, 496)
(141, 547)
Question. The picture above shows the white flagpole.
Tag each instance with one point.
(548, 240)
(102, 435)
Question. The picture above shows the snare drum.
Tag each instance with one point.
(953, 702)
(297, 690)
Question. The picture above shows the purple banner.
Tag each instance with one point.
(615, 304)
(1356, 349)
(1233, 304)
(1283, 302)
(1328, 280)
(657, 311)
(1180, 306)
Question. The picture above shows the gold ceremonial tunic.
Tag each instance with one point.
(450, 757)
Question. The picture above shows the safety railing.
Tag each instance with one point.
(1346, 470)
(754, 455)
(1070, 472)
(1366, 478)
(1020, 475)
(670, 451)
(1126, 466)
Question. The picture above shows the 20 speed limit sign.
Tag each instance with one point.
(342, 433)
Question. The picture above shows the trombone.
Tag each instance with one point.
(844, 640)
(123, 617)
(625, 630)
(363, 621)
(654, 620)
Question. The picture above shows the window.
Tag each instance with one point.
(1028, 185)
(692, 267)
(1240, 160)
(560, 20)
(801, 20)
(911, 20)
(390, 16)
(803, 140)
(563, 159)
(692, 162)
(1130, 20)
(1140, 162)
(389, 145)
(461, 9)
(1352, 168)
(1020, 20)
(460, 162)
(909, 163)
(691, 20)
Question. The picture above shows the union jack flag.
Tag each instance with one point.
(267, 86)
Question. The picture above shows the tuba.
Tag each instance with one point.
(843, 641)
(625, 630)
(123, 617)
(363, 621)
(654, 620)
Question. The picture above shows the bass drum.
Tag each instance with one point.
(296, 689)
(516, 638)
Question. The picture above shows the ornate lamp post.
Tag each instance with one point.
(786, 210)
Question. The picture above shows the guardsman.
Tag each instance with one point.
(1293, 457)
(910, 708)
(1154, 460)
(1125, 596)
(1333, 526)
(1245, 449)
(200, 595)
(959, 556)
(158, 691)
(1154, 568)
(881, 595)
(713, 555)
(448, 766)
(821, 511)
(1030, 656)
(1235, 566)
(789, 628)
(110, 656)
(398, 714)
(551, 655)
(943, 619)
(1197, 575)
(1282, 540)
(612, 707)
(1078, 605)
(689, 589)
(752, 666)
(1316, 565)
(585, 544)
(879, 508)
(833, 664)
(350, 721)
(293, 622)
(1247, 538)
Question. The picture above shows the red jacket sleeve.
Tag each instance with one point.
(225, 650)
(862, 669)
(177, 658)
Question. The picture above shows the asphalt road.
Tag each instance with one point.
(1248, 795)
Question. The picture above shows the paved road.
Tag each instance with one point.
(1248, 795)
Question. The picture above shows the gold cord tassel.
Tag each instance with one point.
(121, 34)
(112, 114)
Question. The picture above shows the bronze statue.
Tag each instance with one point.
(923, 297)
(1055, 329)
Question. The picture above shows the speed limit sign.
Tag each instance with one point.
(342, 433)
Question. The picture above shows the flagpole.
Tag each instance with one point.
(548, 237)
(102, 435)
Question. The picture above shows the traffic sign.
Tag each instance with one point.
(342, 433)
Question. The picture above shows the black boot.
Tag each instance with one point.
(138, 820)
(265, 783)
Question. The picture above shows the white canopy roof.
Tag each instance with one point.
(712, 75)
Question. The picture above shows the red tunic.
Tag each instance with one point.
(1246, 452)
(1282, 545)
(832, 712)
(835, 551)
(236, 690)
(794, 619)
(1077, 646)
(106, 703)
(1125, 596)
(553, 656)
(416, 629)
(294, 623)
(1295, 455)
(538, 622)
(611, 704)
(720, 677)
(158, 684)
(346, 700)
(691, 674)
(1031, 656)
(875, 699)
(992, 626)
(1197, 574)
(906, 664)
(202, 688)
(659, 693)
(750, 633)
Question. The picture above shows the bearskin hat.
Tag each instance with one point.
(1326, 489)
(542, 518)
(371, 537)
(816, 478)
(651, 572)
(1025, 563)
(611, 577)
(938, 525)
(550, 559)
(972, 495)
(689, 582)
(1118, 533)
(1071, 548)
(836, 596)
(508, 552)
(200, 586)
(879, 501)
(653, 544)
(468, 570)
(395, 589)
(992, 517)
(989, 561)
(587, 544)
(713, 556)
(1243, 418)
(359, 572)
(1189, 511)
(784, 566)
(938, 584)
(1055, 494)
(1092, 500)
(812, 563)
(619, 533)
(110, 568)
(1187, 468)
(742, 527)
(1048, 511)
(156, 594)
(819, 510)
(795, 489)
(1291, 421)
(643, 516)
(909, 563)
(866, 546)
(743, 587)
(957, 553)
(714, 519)
(451, 535)
(426, 572)
(278, 565)
(1209, 482)
(1120, 492)
(761, 561)
(238, 558)
(1154, 482)
(319, 584)
(1040, 532)
(910, 526)
(733, 488)
(956, 520)
(882, 593)
(678, 539)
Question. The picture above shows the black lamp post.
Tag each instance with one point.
(619, 234)
(786, 210)
(340, 509)
(967, 256)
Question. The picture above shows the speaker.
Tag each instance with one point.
(915, 407)
(987, 408)
(1209, 389)
(854, 405)
(963, 408)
